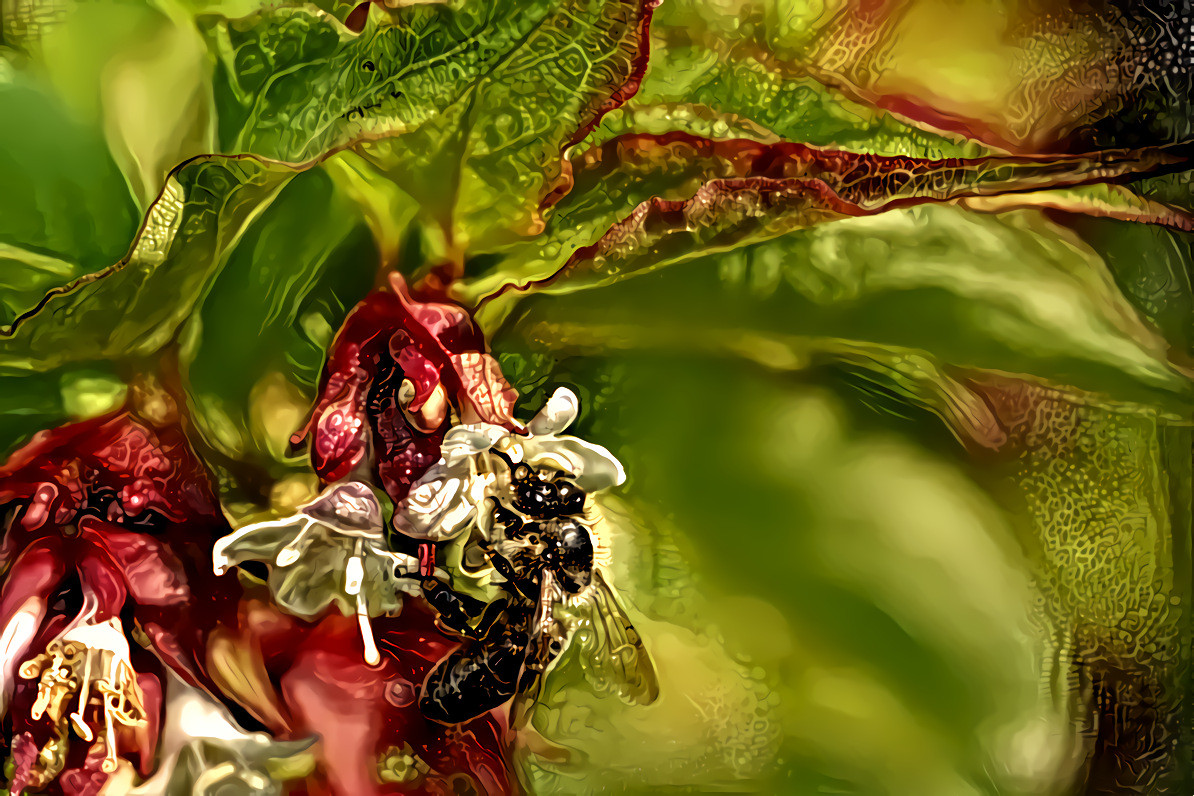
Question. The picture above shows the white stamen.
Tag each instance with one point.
(291, 552)
(354, 572)
(76, 718)
(372, 657)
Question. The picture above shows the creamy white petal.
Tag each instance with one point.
(430, 500)
(557, 414)
(18, 635)
(102, 636)
(464, 441)
(251, 541)
(594, 467)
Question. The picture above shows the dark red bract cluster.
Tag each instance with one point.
(397, 368)
(375, 740)
(103, 516)
(122, 511)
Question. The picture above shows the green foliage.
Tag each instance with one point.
(64, 209)
(135, 308)
(825, 578)
(269, 316)
(480, 114)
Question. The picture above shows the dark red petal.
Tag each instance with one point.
(363, 712)
(42, 507)
(24, 754)
(143, 741)
(340, 436)
(35, 574)
(420, 371)
(332, 692)
(153, 574)
(98, 573)
(86, 779)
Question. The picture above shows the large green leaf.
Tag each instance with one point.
(936, 282)
(134, 308)
(484, 96)
(645, 202)
(727, 70)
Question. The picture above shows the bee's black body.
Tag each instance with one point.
(545, 552)
(505, 651)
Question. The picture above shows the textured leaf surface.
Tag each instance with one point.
(134, 308)
(715, 195)
(936, 280)
(484, 96)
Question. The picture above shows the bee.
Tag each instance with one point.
(545, 552)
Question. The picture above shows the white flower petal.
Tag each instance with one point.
(468, 440)
(354, 575)
(258, 540)
(432, 498)
(102, 636)
(557, 414)
(594, 467)
(18, 635)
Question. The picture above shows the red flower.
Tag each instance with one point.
(396, 369)
(105, 518)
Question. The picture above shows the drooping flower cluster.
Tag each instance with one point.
(396, 371)
(102, 518)
(119, 582)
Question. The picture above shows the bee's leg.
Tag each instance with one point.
(506, 570)
(452, 610)
(495, 620)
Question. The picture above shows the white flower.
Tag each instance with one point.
(88, 660)
(447, 498)
(332, 550)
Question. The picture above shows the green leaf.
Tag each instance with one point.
(134, 308)
(741, 70)
(481, 113)
(643, 202)
(65, 210)
(268, 318)
(937, 282)
(140, 72)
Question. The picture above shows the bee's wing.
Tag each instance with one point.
(615, 660)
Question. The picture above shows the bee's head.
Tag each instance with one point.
(538, 497)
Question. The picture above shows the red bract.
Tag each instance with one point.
(374, 740)
(395, 370)
(106, 521)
